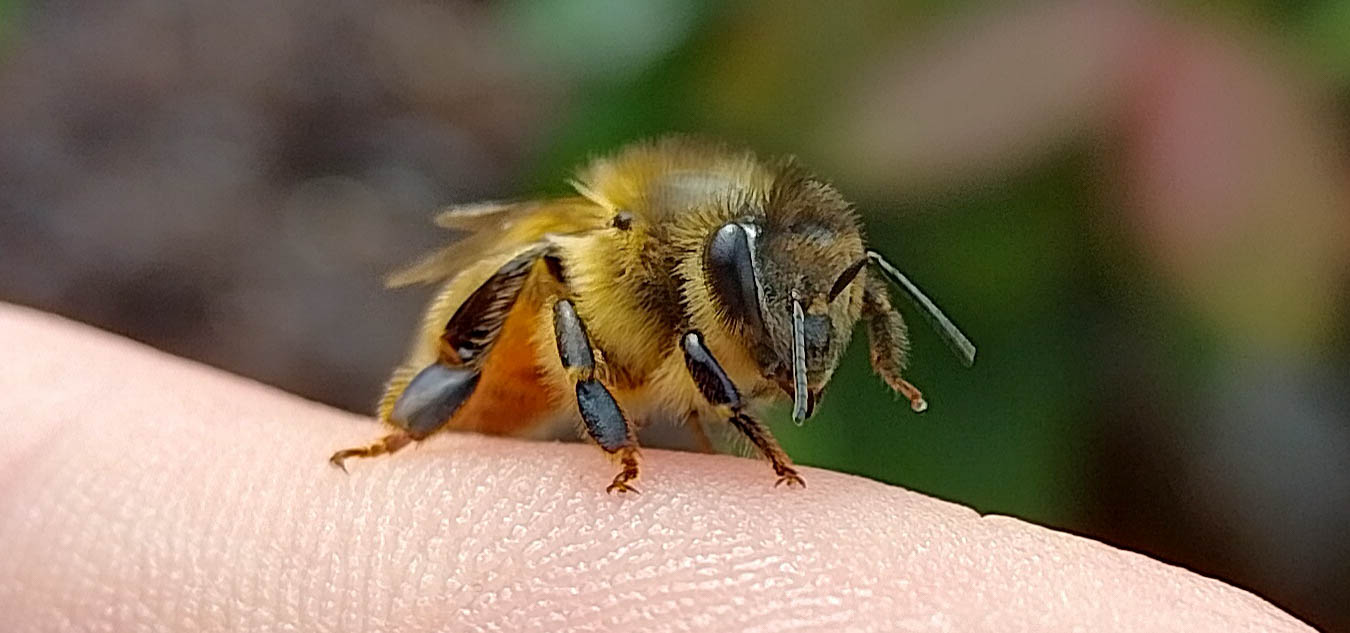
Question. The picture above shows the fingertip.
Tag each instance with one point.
(475, 533)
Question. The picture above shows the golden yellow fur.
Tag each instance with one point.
(677, 186)
(685, 282)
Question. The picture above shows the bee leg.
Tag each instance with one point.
(888, 342)
(384, 445)
(420, 404)
(763, 440)
(719, 391)
(424, 405)
(601, 414)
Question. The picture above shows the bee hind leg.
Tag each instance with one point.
(604, 421)
(383, 446)
(424, 405)
(719, 391)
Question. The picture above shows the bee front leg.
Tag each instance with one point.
(604, 420)
(888, 343)
(719, 391)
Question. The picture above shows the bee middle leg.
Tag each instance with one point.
(604, 420)
(719, 391)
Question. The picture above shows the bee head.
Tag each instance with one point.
(783, 277)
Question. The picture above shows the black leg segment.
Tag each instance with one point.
(477, 321)
(422, 405)
(426, 404)
(718, 389)
(764, 441)
(604, 421)
(574, 345)
(712, 382)
(432, 397)
(601, 414)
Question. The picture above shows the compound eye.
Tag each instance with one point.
(730, 267)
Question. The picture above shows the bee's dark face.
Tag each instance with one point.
(801, 267)
(784, 276)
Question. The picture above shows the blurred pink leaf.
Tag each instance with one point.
(1227, 166)
(985, 95)
(1235, 187)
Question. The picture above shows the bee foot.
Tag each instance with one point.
(339, 459)
(791, 478)
(628, 457)
(620, 487)
(384, 446)
(915, 397)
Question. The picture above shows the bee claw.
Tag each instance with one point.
(386, 445)
(791, 478)
(916, 402)
(621, 488)
(338, 460)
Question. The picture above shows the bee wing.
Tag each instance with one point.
(493, 227)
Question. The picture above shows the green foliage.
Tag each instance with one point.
(1000, 436)
(1018, 266)
(1327, 31)
(9, 16)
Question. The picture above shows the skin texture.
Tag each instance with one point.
(143, 492)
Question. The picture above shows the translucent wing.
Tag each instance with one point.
(495, 227)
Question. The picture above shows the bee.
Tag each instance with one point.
(683, 281)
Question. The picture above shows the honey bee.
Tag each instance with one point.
(683, 281)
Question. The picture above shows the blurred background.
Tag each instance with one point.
(1138, 211)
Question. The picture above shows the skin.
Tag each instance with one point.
(143, 492)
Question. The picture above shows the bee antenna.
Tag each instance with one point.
(951, 335)
(800, 395)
